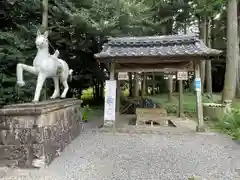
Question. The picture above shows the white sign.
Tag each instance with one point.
(110, 100)
(122, 76)
(182, 75)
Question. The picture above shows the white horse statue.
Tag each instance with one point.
(46, 66)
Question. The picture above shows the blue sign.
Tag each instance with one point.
(197, 84)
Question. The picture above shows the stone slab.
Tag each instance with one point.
(158, 115)
(38, 107)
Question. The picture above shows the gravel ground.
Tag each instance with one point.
(108, 156)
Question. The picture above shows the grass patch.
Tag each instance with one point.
(95, 113)
(189, 102)
(92, 112)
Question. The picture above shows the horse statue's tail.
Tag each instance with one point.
(70, 74)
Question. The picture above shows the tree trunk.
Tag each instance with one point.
(97, 89)
(238, 71)
(94, 92)
(232, 52)
(238, 78)
(45, 26)
(169, 31)
(101, 90)
(203, 36)
(208, 63)
(102, 67)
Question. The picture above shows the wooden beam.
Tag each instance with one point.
(170, 88)
(158, 65)
(153, 85)
(176, 65)
(200, 126)
(118, 103)
(180, 106)
(125, 59)
(130, 84)
(112, 71)
(136, 84)
(144, 85)
(151, 61)
(154, 70)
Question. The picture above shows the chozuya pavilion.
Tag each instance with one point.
(156, 53)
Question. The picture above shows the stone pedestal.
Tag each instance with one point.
(33, 134)
(214, 111)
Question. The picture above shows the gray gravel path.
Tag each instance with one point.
(108, 156)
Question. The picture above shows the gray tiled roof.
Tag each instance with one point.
(163, 46)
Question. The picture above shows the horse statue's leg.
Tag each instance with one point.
(56, 92)
(66, 87)
(20, 68)
(40, 80)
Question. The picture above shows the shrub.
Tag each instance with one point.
(85, 113)
(230, 124)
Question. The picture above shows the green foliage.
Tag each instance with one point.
(79, 28)
(95, 112)
(230, 124)
(16, 47)
(87, 94)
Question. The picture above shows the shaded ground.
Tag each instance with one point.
(108, 156)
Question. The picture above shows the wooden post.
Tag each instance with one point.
(112, 71)
(170, 88)
(130, 84)
(144, 84)
(153, 83)
(136, 87)
(199, 108)
(180, 110)
(118, 98)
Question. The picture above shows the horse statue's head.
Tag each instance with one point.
(41, 40)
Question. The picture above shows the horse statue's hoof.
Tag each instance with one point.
(20, 83)
(54, 97)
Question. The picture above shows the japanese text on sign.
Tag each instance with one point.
(182, 75)
(110, 101)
